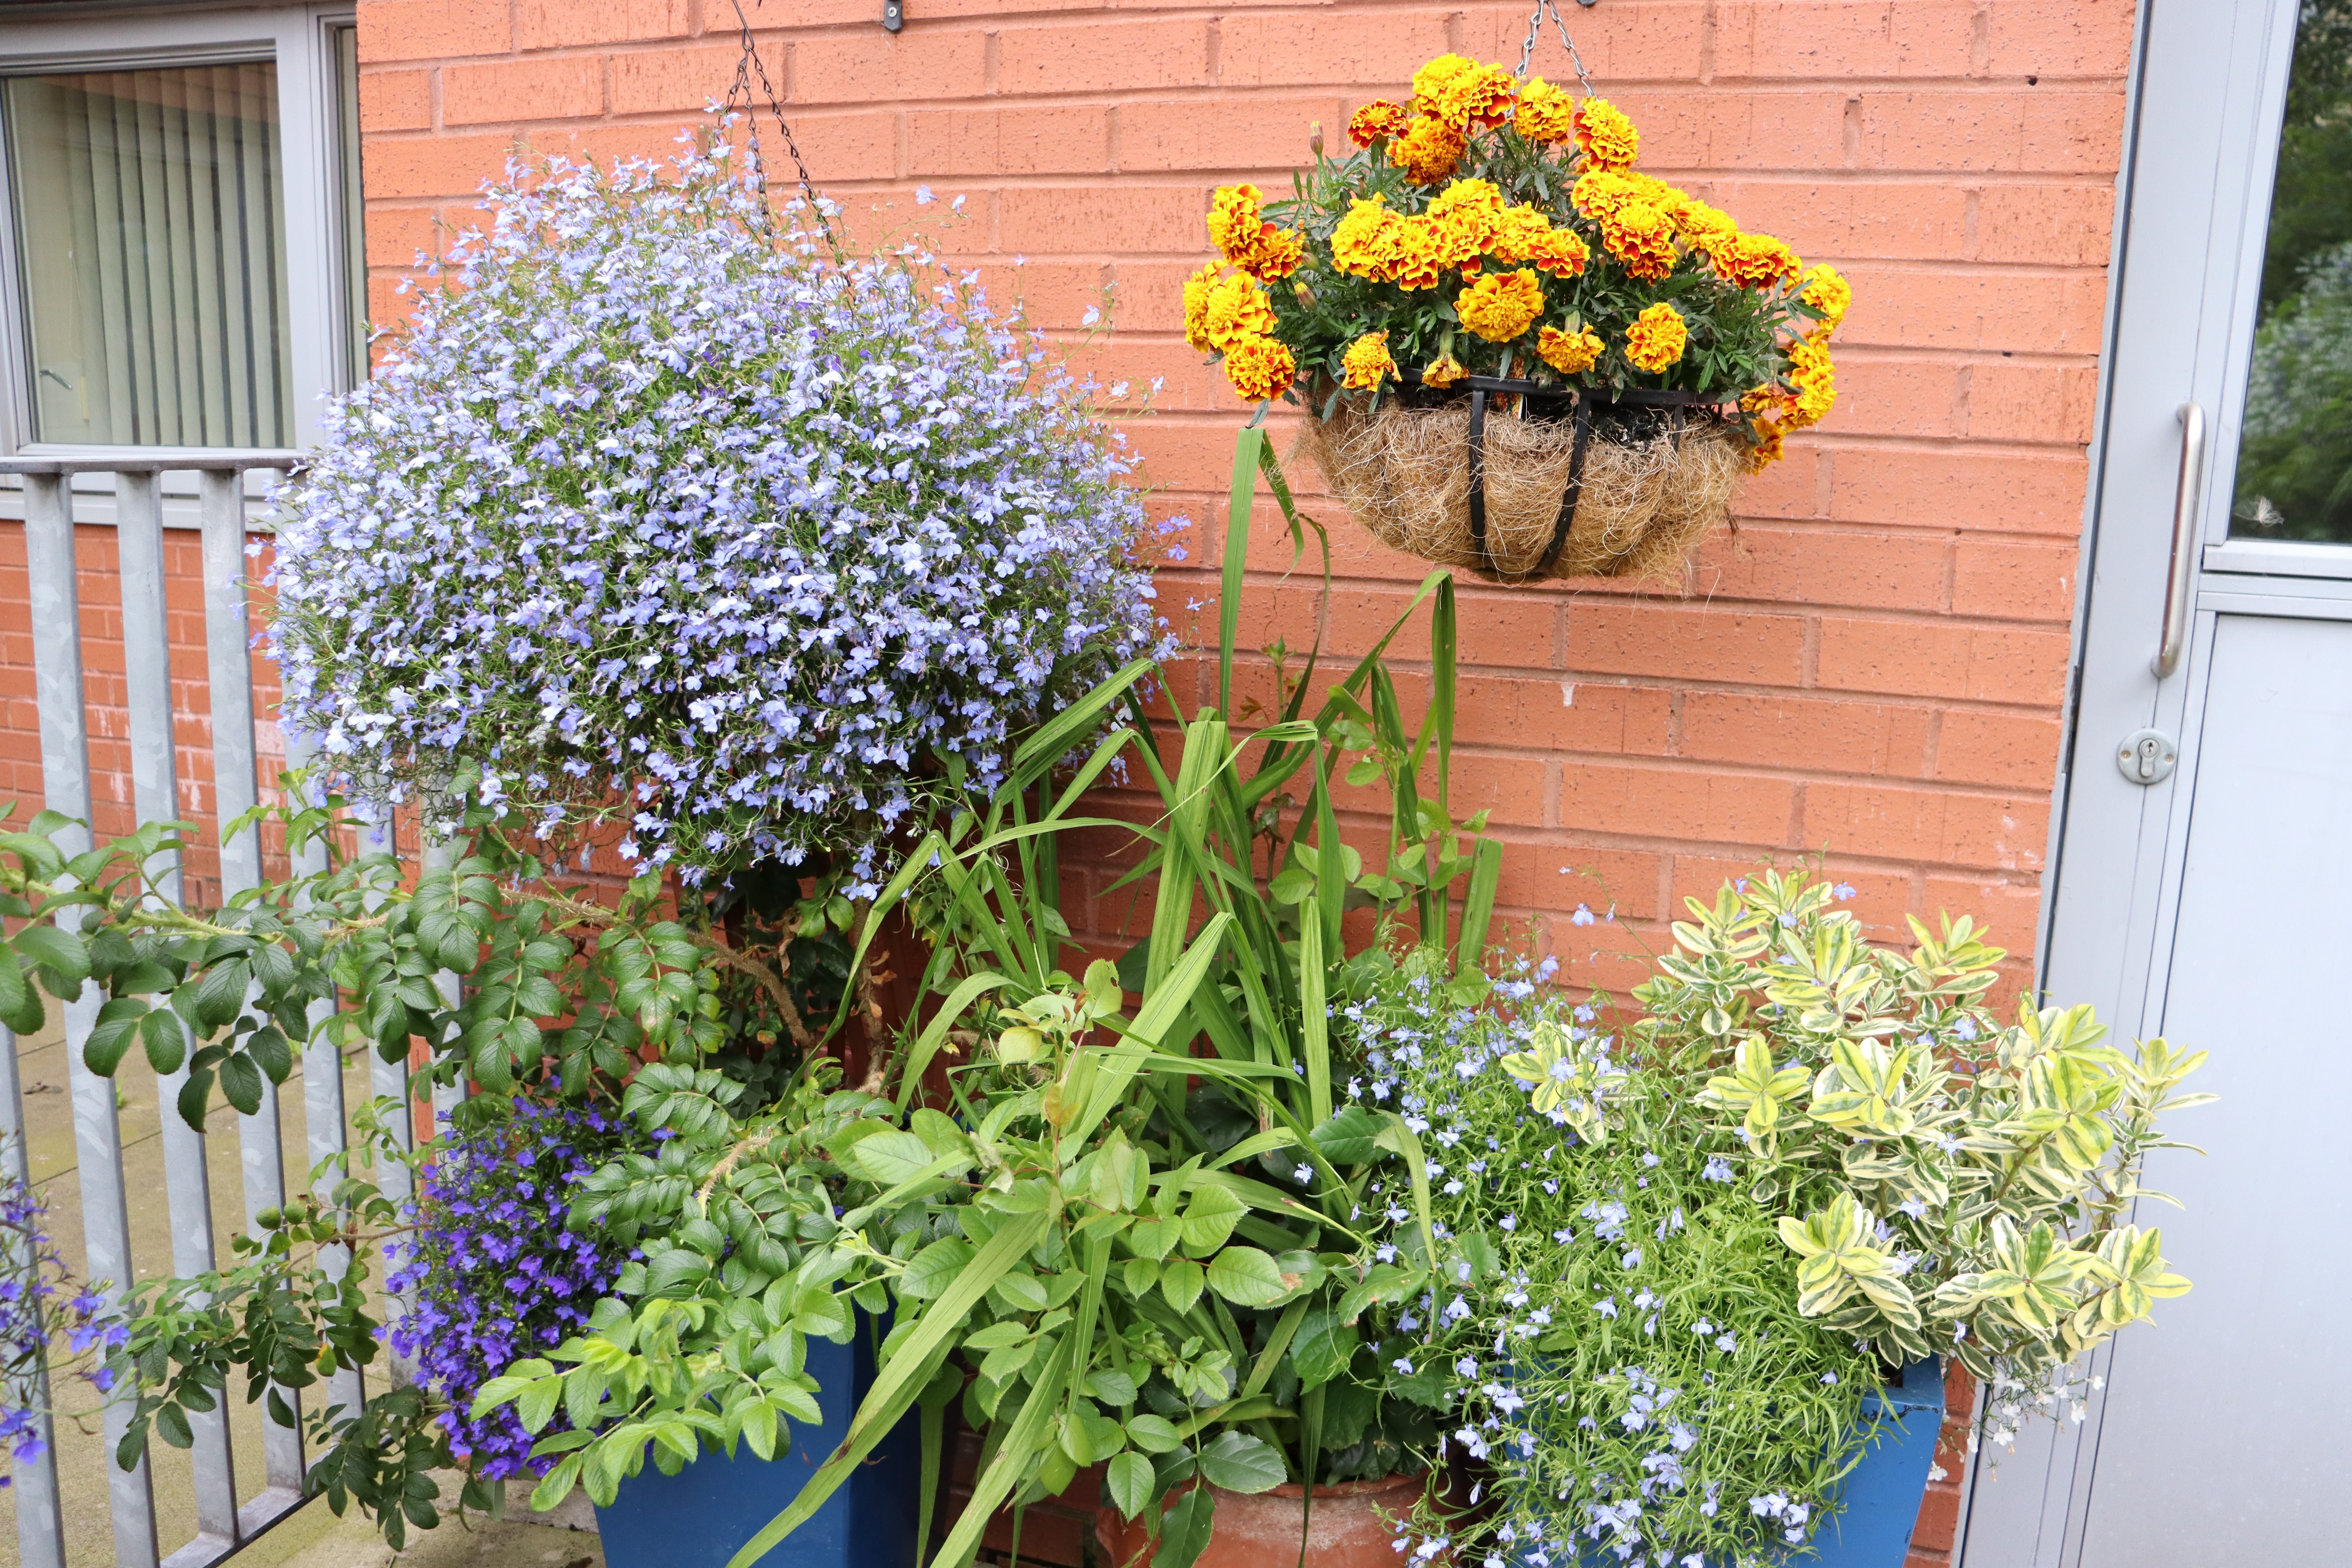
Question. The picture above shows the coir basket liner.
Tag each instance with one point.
(1553, 487)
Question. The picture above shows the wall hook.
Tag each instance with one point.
(894, 15)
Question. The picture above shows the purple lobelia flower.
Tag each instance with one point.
(671, 517)
(495, 1274)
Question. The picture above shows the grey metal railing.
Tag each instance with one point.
(138, 522)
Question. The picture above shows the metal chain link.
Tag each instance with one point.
(1535, 31)
(739, 94)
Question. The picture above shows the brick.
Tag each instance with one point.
(2015, 751)
(1936, 307)
(1092, 220)
(559, 24)
(571, 87)
(1121, 55)
(1951, 486)
(1622, 882)
(1881, 394)
(2008, 131)
(661, 81)
(2053, 224)
(1832, 735)
(1839, 39)
(406, 166)
(1909, 822)
(1250, 134)
(1552, 715)
(1894, 221)
(395, 100)
(394, 30)
(2032, 402)
(921, 63)
(1294, 48)
(2058, 39)
(1008, 142)
(1932, 658)
(397, 235)
(1825, 566)
(848, 146)
(1726, 130)
(1709, 806)
(1684, 643)
(1658, 40)
(2014, 579)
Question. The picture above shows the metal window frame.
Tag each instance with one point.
(299, 40)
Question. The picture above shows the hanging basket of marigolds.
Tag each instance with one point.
(1517, 354)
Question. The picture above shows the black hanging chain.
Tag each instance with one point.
(1535, 31)
(740, 96)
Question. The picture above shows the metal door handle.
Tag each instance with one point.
(2184, 540)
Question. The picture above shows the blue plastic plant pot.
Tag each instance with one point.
(1881, 1495)
(699, 1517)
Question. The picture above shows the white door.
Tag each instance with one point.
(2203, 878)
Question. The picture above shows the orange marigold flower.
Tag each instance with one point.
(1605, 135)
(1434, 82)
(1277, 254)
(1756, 261)
(1814, 381)
(1656, 339)
(1501, 306)
(1260, 369)
(1546, 113)
(1377, 122)
(1766, 449)
(1561, 252)
(1516, 231)
(1236, 311)
(1369, 241)
(1463, 93)
(1642, 237)
(1235, 222)
(1599, 192)
(1198, 289)
(1444, 372)
(1423, 253)
(1570, 353)
(1367, 363)
(1429, 150)
(1487, 95)
(1826, 291)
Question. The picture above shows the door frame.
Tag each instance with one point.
(2179, 327)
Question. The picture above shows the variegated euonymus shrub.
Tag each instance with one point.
(1673, 1255)
(669, 514)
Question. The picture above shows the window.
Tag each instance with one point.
(182, 266)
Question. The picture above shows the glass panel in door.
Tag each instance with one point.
(2294, 464)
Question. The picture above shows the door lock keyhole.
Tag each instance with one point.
(2146, 756)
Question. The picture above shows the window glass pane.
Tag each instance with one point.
(149, 225)
(354, 214)
(2294, 468)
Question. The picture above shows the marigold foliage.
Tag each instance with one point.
(666, 518)
(1425, 232)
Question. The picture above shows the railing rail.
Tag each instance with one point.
(56, 599)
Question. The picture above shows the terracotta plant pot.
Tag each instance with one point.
(1260, 1530)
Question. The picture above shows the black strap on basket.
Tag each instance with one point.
(1588, 406)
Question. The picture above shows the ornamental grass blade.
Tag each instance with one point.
(1478, 906)
(1313, 1021)
(1024, 1441)
(1185, 846)
(935, 1033)
(1036, 756)
(1249, 450)
(1162, 1006)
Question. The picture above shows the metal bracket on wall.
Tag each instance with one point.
(894, 15)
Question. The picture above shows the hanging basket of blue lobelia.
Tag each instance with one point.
(669, 516)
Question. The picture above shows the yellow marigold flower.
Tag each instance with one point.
(1424, 251)
(1516, 230)
(1488, 96)
(1766, 449)
(1377, 122)
(1429, 150)
(1236, 311)
(1546, 113)
(1642, 237)
(1605, 135)
(1570, 353)
(1463, 93)
(1369, 241)
(1656, 339)
(1501, 306)
(1467, 198)
(1756, 261)
(1368, 364)
(1435, 80)
(1444, 372)
(1198, 287)
(1277, 254)
(1561, 252)
(1234, 221)
(1260, 369)
(1599, 192)
(1814, 379)
(1829, 293)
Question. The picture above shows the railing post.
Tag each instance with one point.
(97, 1131)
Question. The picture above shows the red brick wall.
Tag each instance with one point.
(1872, 667)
